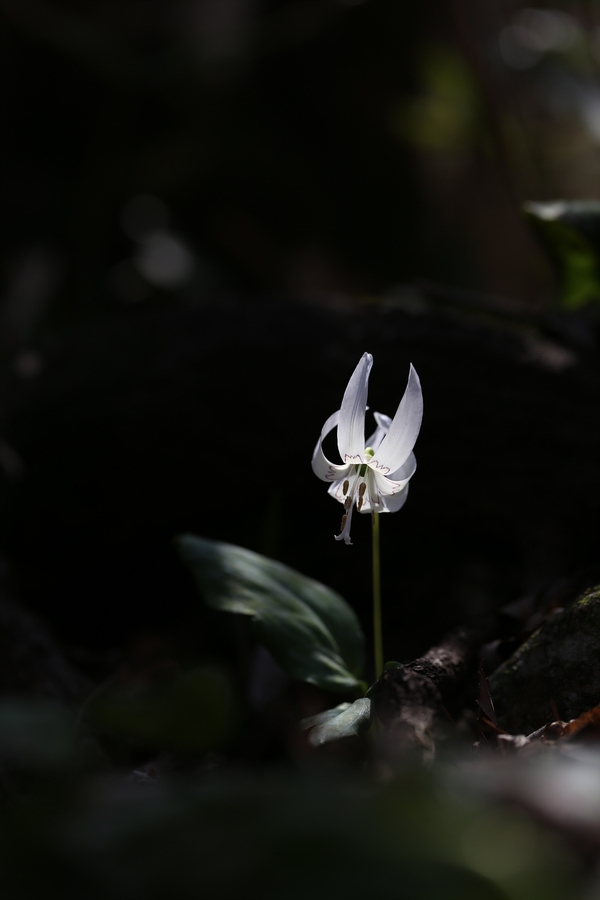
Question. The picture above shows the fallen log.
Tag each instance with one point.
(409, 699)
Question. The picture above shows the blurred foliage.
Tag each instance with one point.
(322, 148)
(571, 234)
(194, 833)
(35, 734)
(443, 117)
(310, 630)
(185, 711)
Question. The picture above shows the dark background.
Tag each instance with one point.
(211, 210)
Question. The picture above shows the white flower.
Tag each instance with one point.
(375, 473)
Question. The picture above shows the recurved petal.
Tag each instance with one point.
(387, 486)
(406, 470)
(321, 466)
(403, 432)
(383, 424)
(395, 501)
(351, 425)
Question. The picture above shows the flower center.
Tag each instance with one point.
(359, 487)
(362, 470)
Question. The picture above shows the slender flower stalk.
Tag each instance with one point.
(374, 474)
(377, 628)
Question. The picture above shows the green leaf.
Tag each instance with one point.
(570, 232)
(345, 720)
(309, 629)
(392, 664)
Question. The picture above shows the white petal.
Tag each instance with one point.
(383, 424)
(396, 501)
(351, 426)
(406, 470)
(404, 430)
(381, 502)
(385, 486)
(322, 467)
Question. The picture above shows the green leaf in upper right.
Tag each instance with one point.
(570, 233)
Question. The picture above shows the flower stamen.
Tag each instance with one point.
(361, 495)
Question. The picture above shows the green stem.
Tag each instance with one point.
(377, 632)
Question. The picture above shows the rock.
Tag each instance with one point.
(555, 673)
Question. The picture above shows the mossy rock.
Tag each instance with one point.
(557, 670)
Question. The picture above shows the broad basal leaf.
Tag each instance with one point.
(309, 629)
